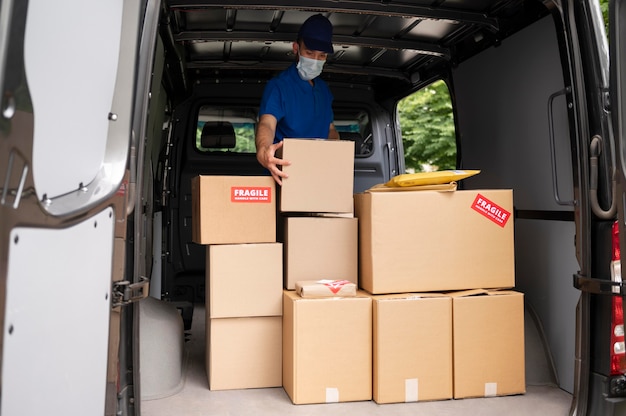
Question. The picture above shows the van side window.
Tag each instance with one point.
(427, 125)
(220, 129)
(355, 125)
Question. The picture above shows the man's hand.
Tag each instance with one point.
(266, 155)
(266, 148)
(333, 134)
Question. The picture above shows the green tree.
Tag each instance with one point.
(427, 126)
(604, 6)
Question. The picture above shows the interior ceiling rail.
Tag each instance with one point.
(330, 68)
(247, 36)
(389, 8)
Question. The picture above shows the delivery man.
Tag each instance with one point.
(297, 103)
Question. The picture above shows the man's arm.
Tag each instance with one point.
(333, 134)
(266, 149)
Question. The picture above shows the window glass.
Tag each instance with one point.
(243, 121)
(427, 125)
(233, 129)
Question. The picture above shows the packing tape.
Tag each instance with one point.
(411, 390)
(491, 389)
(332, 395)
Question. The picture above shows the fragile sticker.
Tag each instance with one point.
(491, 210)
(335, 285)
(251, 194)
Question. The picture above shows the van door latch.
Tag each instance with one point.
(125, 293)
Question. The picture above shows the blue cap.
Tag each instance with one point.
(317, 34)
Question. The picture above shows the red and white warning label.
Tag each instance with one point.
(335, 285)
(491, 210)
(251, 194)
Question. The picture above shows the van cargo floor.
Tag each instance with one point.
(196, 399)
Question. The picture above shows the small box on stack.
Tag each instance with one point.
(327, 348)
(233, 209)
(412, 347)
(325, 288)
(320, 248)
(321, 176)
(244, 352)
(244, 280)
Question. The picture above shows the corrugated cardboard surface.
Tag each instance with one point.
(412, 348)
(327, 348)
(488, 332)
(321, 176)
(244, 352)
(433, 241)
(320, 248)
(218, 220)
(244, 280)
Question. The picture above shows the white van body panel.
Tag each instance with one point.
(72, 109)
(57, 319)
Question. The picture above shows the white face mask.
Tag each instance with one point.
(309, 68)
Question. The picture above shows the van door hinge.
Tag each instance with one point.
(125, 293)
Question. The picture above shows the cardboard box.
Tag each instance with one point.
(320, 248)
(321, 176)
(412, 348)
(244, 353)
(233, 209)
(421, 241)
(325, 288)
(488, 333)
(244, 280)
(327, 348)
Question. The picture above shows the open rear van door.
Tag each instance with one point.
(617, 45)
(618, 92)
(67, 79)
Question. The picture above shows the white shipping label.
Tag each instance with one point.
(332, 395)
(411, 391)
(491, 389)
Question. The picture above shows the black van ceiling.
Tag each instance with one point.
(406, 41)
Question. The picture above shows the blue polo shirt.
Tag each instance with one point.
(302, 110)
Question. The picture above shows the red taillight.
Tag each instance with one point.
(618, 347)
(615, 242)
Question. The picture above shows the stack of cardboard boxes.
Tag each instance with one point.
(327, 341)
(235, 217)
(466, 341)
(430, 320)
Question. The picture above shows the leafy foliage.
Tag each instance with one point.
(604, 6)
(427, 125)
